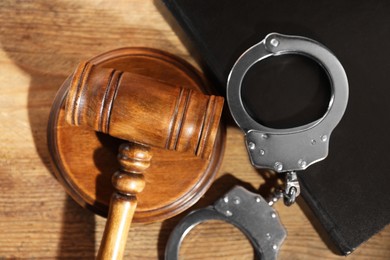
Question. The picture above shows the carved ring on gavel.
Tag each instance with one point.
(153, 103)
(128, 182)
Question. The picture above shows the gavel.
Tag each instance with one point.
(144, 112)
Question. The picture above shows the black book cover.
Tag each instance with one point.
(348, 191)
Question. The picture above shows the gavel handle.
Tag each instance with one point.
(128, 181)
(118, 223)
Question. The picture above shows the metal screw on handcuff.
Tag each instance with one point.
(281, 150)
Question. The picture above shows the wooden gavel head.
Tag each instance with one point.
(142, 96)
(144, 110)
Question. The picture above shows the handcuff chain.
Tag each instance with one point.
(290, 192)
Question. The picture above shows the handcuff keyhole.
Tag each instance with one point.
(286, 91)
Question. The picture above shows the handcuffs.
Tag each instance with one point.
(282, 150)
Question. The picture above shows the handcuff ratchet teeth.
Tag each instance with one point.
(290, 149)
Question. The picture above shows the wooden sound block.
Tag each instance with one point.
(85, 160)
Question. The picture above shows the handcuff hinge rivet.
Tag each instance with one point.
(226, 199)
(278, 166)
(236, 200)
(302, 163)
(274, 42)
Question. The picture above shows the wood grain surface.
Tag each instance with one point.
(41, 42)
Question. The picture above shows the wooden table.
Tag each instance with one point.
(41, 42)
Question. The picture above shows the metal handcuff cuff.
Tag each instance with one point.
(282, 150)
